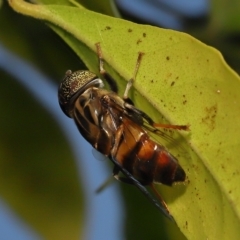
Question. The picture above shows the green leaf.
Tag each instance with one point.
(181, 81)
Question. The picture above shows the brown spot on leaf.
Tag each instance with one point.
(210, 118)
(107, 28)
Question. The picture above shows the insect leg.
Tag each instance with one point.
(151, 122)
(178, 127)
(105, 184)
(103, 72)
(130, 82)
(131, 179)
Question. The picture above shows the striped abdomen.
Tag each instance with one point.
(145, 159)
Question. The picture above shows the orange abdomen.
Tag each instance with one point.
(147, 160)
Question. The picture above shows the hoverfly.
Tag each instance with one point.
(120, 131)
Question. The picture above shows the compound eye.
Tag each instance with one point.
(72, 84)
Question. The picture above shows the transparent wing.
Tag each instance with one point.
(131, 139)
(144, 190)
(164, 134)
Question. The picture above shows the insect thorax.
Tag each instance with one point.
(96, 119)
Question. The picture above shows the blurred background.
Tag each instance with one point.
(48, 174)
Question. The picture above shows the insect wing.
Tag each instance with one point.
(169, 138)
(130, 136)
(142, 119)
(143, 189)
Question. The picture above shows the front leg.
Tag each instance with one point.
(139, 116)
(111, 82)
